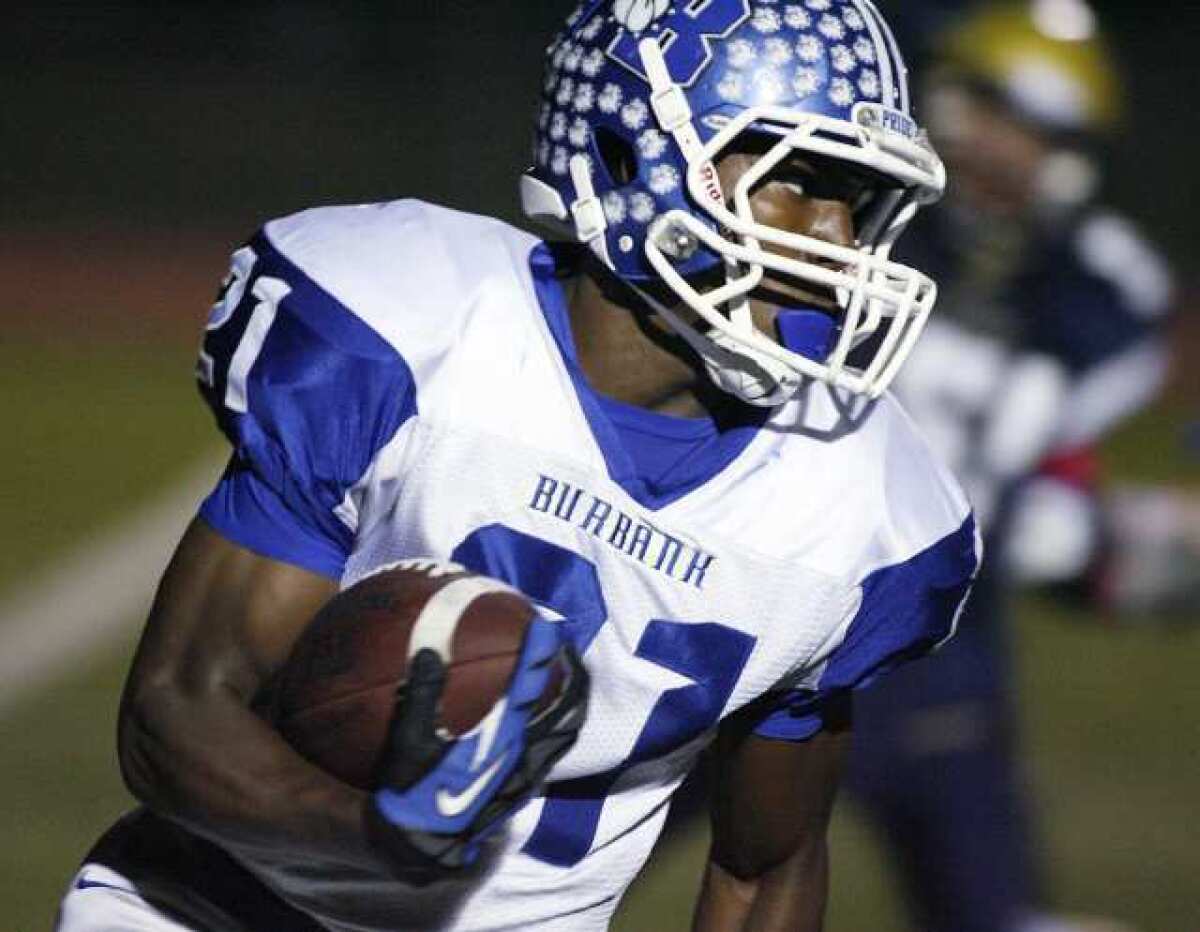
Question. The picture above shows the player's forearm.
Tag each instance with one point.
(208, 761)
(190, 745)
(789, 897)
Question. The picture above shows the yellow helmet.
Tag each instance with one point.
(1044, 58)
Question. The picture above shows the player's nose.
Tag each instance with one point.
(831, 221)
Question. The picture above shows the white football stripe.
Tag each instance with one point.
(97, 594)
(434, 627)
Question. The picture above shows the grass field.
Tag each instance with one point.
(1112, 717)
(91, 430)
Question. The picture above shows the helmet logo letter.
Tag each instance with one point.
(685, 45)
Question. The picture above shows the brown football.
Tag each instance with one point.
(337, 691)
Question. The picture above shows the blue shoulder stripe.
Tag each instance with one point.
(322, 394)
(907, 609)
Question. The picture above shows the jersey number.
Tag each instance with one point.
(235, 320)
(711, 655)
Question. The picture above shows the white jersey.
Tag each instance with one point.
(399, 381)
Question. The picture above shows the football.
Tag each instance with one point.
(337, 691)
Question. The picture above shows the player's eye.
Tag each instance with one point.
(835, 185)
(797, 176)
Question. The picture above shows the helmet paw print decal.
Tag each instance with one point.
(824, 56)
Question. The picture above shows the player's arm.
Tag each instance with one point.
(779, 760)
(191, 747)
(308, 394)
(768, 867)
(292, 377)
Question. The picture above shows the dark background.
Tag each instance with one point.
(206, 115)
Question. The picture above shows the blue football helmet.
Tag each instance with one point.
(639, 101)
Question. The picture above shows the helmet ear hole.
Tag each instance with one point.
(617, 155)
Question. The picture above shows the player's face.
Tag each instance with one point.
(801, 197)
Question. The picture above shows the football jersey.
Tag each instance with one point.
(400, 380)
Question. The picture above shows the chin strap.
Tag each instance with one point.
(756, 380)
(669, 103)
(1065, 179)
(586, 210)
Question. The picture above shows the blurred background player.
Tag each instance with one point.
(1048, 335)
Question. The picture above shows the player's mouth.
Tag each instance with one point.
(785, 292)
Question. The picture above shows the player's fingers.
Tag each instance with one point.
(579, 682)
(413, 744)
(422, 690)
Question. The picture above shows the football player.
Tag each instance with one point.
(1048, 335)
(669, 428)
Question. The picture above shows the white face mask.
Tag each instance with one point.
(877, 297)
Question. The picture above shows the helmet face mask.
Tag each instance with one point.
(875, 294)
(778, 77)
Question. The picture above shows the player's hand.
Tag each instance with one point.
(439, 796)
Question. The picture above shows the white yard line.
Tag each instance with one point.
(92, 595)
